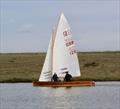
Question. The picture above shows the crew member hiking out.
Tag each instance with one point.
(68, 77)
(54, 78)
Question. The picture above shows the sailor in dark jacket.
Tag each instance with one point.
(55, 77)
(68, 77)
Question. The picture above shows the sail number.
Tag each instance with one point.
(70, 44)
(67, 33)
(69, 41)
(72, 50)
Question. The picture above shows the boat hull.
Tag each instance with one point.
(63, 84)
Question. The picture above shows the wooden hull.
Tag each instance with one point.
(63, 84)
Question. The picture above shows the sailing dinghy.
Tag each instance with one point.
(61, 57)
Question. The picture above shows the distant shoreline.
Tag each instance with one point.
(45, 52)
(26, 67)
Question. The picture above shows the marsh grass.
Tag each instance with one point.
(26, 67)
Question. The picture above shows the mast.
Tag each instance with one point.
(54, 31)
(53, 35)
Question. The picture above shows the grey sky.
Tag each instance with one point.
(26, 25)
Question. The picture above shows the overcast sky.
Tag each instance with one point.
(26, 25)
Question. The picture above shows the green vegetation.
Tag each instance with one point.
(26, 67)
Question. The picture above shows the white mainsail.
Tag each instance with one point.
(61, 55)
(64, 52)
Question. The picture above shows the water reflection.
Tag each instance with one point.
(25, 96)
(58, 98)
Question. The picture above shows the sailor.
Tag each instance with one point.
(54, 78)
(68, 77)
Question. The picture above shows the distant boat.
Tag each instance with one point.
(61, 57)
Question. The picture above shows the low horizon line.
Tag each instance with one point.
(46, 52)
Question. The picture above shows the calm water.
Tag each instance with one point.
(25, 96)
